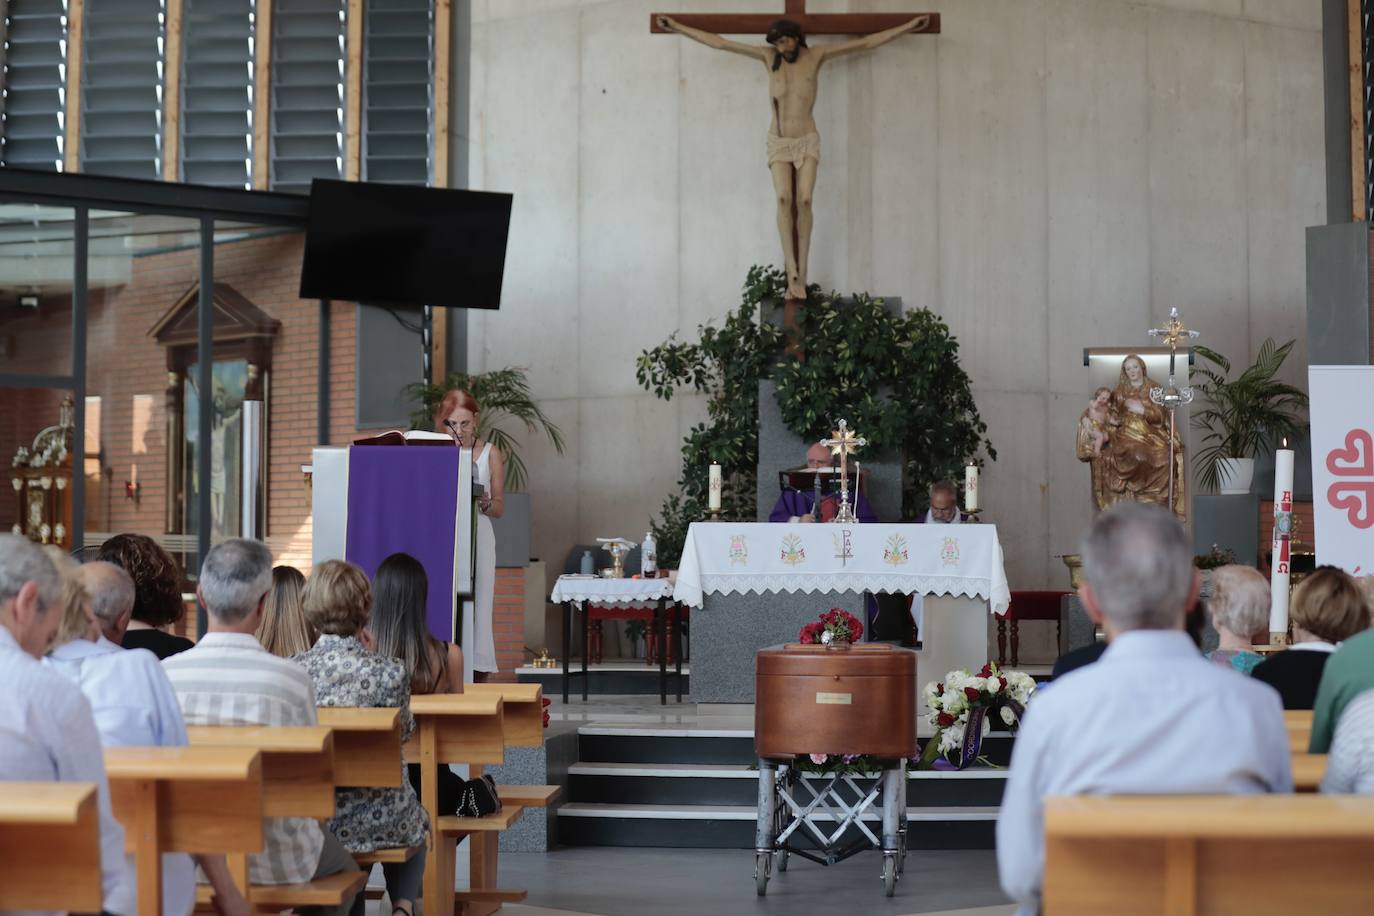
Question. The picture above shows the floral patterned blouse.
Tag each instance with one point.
(346, 674)
(1242, 660)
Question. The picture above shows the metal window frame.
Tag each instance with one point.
(84, 193)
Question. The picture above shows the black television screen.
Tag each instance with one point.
(400, 245)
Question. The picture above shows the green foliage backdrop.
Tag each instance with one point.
(895, 378)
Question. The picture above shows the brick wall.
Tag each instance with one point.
(508, 620)
(127, 371)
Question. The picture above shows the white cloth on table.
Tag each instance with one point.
(918, 602)
(482, 641)
(735, 558)
(47, 734)
(632, 593)
(230, 679)
(1151, 717)
(134, 706)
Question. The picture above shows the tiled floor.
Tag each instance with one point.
(601, 881)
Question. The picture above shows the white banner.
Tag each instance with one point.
(1343, 465)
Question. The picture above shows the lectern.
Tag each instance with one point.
(370, 501)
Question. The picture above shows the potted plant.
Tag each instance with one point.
(504, 395)
(1243, 415)
(634, 632)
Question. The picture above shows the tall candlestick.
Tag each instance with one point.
(858, 476)
(971, 488)
(713, 488)
(1282, 544)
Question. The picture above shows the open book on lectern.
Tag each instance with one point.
(369, 502)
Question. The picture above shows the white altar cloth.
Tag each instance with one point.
(739, 557)
(636, 593)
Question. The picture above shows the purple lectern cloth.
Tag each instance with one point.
(798, 502)
(403, 500)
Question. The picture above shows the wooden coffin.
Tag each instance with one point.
(815, 700)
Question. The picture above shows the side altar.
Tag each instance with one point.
(756, 584)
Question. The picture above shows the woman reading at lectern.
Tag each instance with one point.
(459, 415)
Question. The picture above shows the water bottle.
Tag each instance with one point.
(648, 557)
(588, 564)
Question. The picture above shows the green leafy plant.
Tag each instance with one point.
(1215, 558)
(504, 395)
(895, 378)
(635, 630)
(1244, 415)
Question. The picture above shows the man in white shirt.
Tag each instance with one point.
(46, 730)
(228, 678)
(1152, 716)
(134, 706)
(112, 600)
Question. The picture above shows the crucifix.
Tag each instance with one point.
(794, 146)
(1170, 396)
(841, 442)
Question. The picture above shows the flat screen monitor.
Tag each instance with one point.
(399, 245)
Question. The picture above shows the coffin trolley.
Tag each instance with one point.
(814, 699)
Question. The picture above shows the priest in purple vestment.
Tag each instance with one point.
(799, 505)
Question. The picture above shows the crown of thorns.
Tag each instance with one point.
(785, 28)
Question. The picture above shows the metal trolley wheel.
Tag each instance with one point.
(763, 862)
(890, 872)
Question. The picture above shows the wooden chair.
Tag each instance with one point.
(1200, 855)
(367, 745)
(49, 846)
(1308, 770)
(1027, 606)
(184, 799)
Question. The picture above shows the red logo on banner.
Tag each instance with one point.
(1354, 497)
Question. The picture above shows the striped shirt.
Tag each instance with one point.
(1350, 765)
(230, 679)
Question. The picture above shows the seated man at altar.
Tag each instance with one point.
(799, 505)
(1153, 717)
(944, 505)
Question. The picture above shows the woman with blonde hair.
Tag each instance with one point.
(1239, 608)
(284, 631)
(337, 602)
(1328, 608)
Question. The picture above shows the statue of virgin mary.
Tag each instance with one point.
(1134, 462)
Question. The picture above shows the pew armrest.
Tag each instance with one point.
(528, 796)
(492, 823)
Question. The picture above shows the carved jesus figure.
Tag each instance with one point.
(794, 146)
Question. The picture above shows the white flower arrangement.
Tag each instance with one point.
(953, 701)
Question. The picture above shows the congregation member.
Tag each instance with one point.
(47, 733)
(1327, 609)
(1349, 672)
(284, 631)
(400, 631)
(112, 600)
(133, 706)
(157, 593)
(460, 415)
(228, 678)
(1350, 763)
(337, 601)
(1240, 608)
(1152, 716)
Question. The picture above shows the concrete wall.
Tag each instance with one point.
(1046, 174)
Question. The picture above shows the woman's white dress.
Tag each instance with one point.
(481, 643)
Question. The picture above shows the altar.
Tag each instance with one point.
(757, 584)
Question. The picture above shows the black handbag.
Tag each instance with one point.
(479, 797)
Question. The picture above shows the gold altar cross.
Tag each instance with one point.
(795, 10)
(841, 442)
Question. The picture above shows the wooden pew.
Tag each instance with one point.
(298, 778)
(184, 799)
(1200, 854)
(297, 764)
(1299, 724)
(367, 745)
(1308, 770)
(49, 846)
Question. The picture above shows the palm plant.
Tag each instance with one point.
(505, 396)
(1244, 415)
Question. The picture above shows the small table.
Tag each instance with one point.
(619, 594)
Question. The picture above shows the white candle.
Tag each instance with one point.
(971, 488)
(713, 488)
(1283, 531)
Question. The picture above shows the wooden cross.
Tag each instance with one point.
(795, 10)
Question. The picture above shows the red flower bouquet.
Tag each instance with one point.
(834, 626)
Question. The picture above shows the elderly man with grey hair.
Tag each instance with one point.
(47, 733)
(112, 600)
(1152, 716)
(228, 678)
